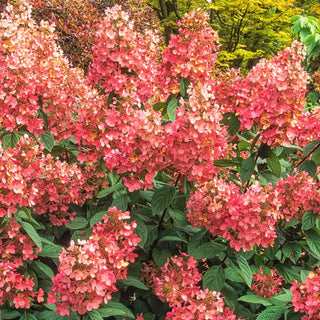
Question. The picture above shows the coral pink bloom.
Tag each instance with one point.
(88, 271)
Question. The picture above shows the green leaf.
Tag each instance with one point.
(81, 234)
(304, 274)
(271, 313)
(313, 241)
(196, 240)
(245, 312)
(32, 233)
(48, 314)
(172, 238)
(25, 214)
(146, 195)
(312, 99)
(50, 306)
(77, 223)
(9, 140)
(264, 150)
(232, 273)
(226, 163)
(315, 51)
(214, 278)
(184, 84)
(316, 157)
(247, 168)
(234, 125)
(278, 151)
(282, 298)
(28, 316)
(292, 250)
(232, 121)
(158, 106)
(292, 223)
(242, 145)
(77, 209)
(48, 140)
(160, 257)
(121, 202)
(110, 98)
(162, 198)
(97, 217)
(296, 27)
(142, 231)
(291, 315)
(140, 305)
(304, 34)
(133, 282)
(43, 267)
(45, 284)
(152, 235)
(274, 164)
(303, 21)
(148, 316)
(308, 166)
(57, 150)
(49, 249)
(230, 295)
(252, 298)
(273, 10)
(309, 220)
(289, 272)
(6, 314)
(245, 270)
(172, 107)
(116, 309)
(95, 315)
(266, 177)
(179, 217)
(105, 192)
(208, 250)
(310, 146)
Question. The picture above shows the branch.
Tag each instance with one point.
(175, 9)
(164, 11)
(158, 11)
(229, 46)
(239, 28)
(163, 8)
(211, 16)
(222, 22)
(307, 155)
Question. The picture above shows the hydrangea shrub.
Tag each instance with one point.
(156, 185)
